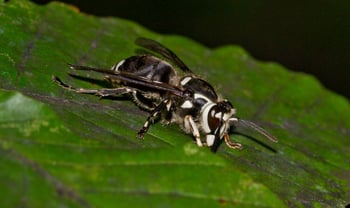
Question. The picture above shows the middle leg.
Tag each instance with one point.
(154, 114)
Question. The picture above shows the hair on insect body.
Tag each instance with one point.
(156, 86)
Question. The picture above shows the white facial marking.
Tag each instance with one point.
(218, 115)
(210, 140)
(116, 67)
(187, 104)
(204, 121)
(185, 80)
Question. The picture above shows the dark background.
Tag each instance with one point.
(311, 36)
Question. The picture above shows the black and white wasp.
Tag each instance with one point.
(156, 87)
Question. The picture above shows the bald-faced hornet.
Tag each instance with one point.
(156, 87)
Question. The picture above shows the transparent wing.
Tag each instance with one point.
(162, 50)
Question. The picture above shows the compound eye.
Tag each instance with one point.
(214, 118)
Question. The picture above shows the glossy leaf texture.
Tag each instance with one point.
(58, 148)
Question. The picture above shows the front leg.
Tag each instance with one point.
(192, 127)
(154, 114)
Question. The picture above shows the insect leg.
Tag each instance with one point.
(231, 144)
(195, 132)
(155, 112)
(103, 92)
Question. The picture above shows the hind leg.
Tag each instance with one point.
(103, 92)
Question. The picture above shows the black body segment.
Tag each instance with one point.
(148, 67)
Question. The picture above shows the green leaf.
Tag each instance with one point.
(58, 148)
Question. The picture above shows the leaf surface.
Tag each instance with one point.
(58, 148)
